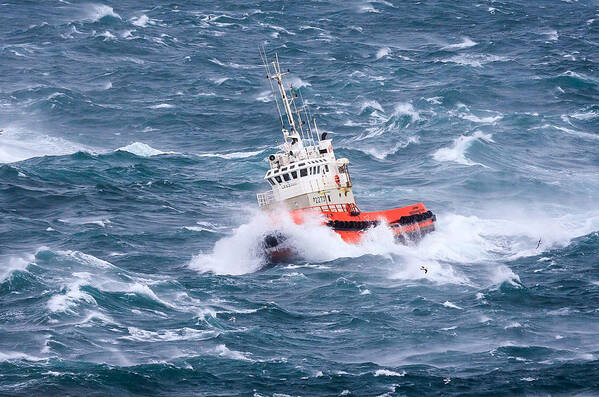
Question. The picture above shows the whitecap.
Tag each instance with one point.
(372, 104)
(457, 151)
(162, 106)
(580, 134)
(386, 372)
(381, 153)
(9, 356)
(265, 96)
(141, 149)
(406, 108)
(17, 144)
(477, 60)
(295, 82)
(168, 335)
(107, 35)
(451, 305)
(95, 12)
(368, 8)
(15, 263)
(63, 302)
(514, 324)
(382, 52)
(552, 35)
(224, 351)
(466, 43)
(233, 155)
(141, 21)
(476, 119)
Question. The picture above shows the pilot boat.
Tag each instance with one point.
(306, 177)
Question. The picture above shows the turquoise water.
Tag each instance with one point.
(135, 138)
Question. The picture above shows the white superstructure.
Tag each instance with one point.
(304, 173)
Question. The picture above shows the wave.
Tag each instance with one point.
(142, 21)
(95, 12)
(382, 153)
(231, 64)
(505, 234)
(466, 43)
(141, 149)
(457, 151)
(17, 144)
(296, 82)
(382, 52)
(371, 104)
(476, 60)
(169, 335)
(14, 263)
(233, 155)
(162, 106)
(403, 115)
(386, 372)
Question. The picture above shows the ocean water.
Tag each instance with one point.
(134, 139)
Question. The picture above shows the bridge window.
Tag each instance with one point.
(284, 169)
(286, 177)
(326, 168)
(304, 172)
(278, 178)
(294, 174)
(272, 183)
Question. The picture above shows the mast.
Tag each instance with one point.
(293, 131)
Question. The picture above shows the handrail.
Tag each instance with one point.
(348, 207)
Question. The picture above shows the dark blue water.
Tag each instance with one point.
(134, 141)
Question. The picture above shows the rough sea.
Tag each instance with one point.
(134, 140)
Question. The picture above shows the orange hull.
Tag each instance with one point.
(407, 223)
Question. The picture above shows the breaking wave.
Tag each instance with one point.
(457, 151)
(17, 144)
(141, 149)
(458, 242)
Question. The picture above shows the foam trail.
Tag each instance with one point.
(457, 152)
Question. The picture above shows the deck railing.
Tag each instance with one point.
(349, 207)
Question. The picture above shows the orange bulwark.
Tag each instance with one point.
(350, 223)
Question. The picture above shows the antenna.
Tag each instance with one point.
(272, 89)
(308, 117)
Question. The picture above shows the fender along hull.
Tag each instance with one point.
(408, 224)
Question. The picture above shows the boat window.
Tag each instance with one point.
(284, 169)
(278, 178)
(300, 164)
(318, 170)
(271, 181)
(286, 177)
(304, 172)
(294, 174)
(326, 168)
(292, 167)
